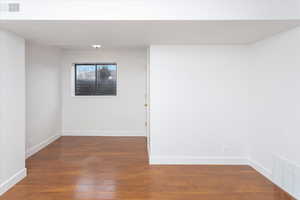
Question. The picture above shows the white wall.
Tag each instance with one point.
(43, 95)
(123, 114)
(198, 103)
(223, 104)
(275, 109)
(155, 10)
(12, 110)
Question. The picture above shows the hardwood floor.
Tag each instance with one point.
(90, 168)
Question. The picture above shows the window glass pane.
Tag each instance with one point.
(106, 79)
(85, 79)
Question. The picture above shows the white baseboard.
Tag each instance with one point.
(262, 170)
(102, 133)
(31, 151)
(268, 174)
(9, 183)
(188, 160)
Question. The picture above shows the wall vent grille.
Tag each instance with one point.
(13, 7)
(9, 7)
(286, 175)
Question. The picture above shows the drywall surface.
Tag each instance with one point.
(275, 109)
(12, 110)
(155, 10)
(121, 115)
(198, 104)
(43, 94)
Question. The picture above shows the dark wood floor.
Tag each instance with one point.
(90, 168)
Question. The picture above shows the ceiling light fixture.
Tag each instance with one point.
(96, 46)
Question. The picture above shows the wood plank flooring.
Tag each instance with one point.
(106, 168)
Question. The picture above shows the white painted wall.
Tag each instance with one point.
(275, 109)
(223, 104)
(123, 114)
(155, 10)
(12, 110)
(209, 104)
(43, 95)
(198, 104)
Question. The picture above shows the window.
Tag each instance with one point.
(96, 79)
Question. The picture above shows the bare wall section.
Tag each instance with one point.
(12, 110)
(121, 115)
(43, 96)
(274, 121)
(198, 104)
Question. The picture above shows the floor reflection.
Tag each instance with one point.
(116, 168)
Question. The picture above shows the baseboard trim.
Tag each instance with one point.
(6, 185)
(33, 150)
(262, 170)
(187, 160)
(102, 133)
(267, 173)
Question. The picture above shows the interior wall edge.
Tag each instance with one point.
(33, 150)
(42, 88)
(268, 174)
(13, 180)
(12, 92)
(260, 168)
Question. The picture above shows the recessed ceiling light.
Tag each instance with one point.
(96, 46)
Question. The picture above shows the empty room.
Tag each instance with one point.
(140, 100)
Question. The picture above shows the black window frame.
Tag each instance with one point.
(95, 64)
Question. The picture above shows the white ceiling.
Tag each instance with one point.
(154, 10)
(82, 34)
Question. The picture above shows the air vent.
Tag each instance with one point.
(13, 7)
(9, 7)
